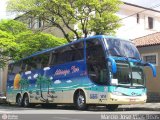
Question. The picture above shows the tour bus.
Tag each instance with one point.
(99, 70)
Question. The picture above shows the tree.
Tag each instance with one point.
(7, 45)
(17, 41)
(13, 27)
(91, 16)
(30, 42)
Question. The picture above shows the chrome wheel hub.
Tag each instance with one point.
(26, 101)
(19, 101)
(80, 100)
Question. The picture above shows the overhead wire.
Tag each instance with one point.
(155, 6)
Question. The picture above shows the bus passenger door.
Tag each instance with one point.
(97, 69)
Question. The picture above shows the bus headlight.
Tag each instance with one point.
(144, 94)
(114, 81)
(117, 93)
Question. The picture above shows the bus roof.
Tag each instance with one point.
(73, 42)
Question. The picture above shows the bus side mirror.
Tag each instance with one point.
(113, 64)
(152, 67)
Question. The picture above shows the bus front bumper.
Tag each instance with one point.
(115, 99)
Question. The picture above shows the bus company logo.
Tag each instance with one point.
(4, 116)
(133, 93)
(65, 72)
(61, 72)
(74, 69)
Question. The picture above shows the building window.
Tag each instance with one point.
(137, 18)
(30, 22)
(151, 58)
(150, 22)
(39, 23)
(52, 20)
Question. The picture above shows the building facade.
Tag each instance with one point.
(149, 48)
(38, 24)
(137, 21)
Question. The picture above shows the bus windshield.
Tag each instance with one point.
(122, 48)
(129, 74)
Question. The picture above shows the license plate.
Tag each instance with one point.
(132, 100)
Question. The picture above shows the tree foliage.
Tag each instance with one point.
(17, 41)
(13, 27)
(7, 45)
(30, 42)
(91, 16)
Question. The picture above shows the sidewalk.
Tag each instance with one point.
(146, 106)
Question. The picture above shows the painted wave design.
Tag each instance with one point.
(67, 85)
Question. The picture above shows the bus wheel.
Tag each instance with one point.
(19, 101)
(112, 107)
(80, 101)
(26, 101)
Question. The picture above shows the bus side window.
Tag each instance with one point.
(59, 58)
(77, 52)
(10, 68)
(45, 60)
(16, 68)
(38, 62)
(53, 59)
(77, 55)
(27, 65)
(23, 67)
(68, 53)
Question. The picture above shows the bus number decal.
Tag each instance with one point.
(103, 96)
(93, 96)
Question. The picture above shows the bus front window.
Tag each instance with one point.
(128, 74)
(137, 75)
(122, 48)
(122, 75)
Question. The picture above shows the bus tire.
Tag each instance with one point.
(26, 101)
(19, 101)
(111, 107)
(80, 101)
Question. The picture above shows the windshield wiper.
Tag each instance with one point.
(134, 58)
(116, 55)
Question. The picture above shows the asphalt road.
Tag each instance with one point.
(69, 113)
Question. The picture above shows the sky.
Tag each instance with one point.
(3, 9)
(3, 13)
(145, 3)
